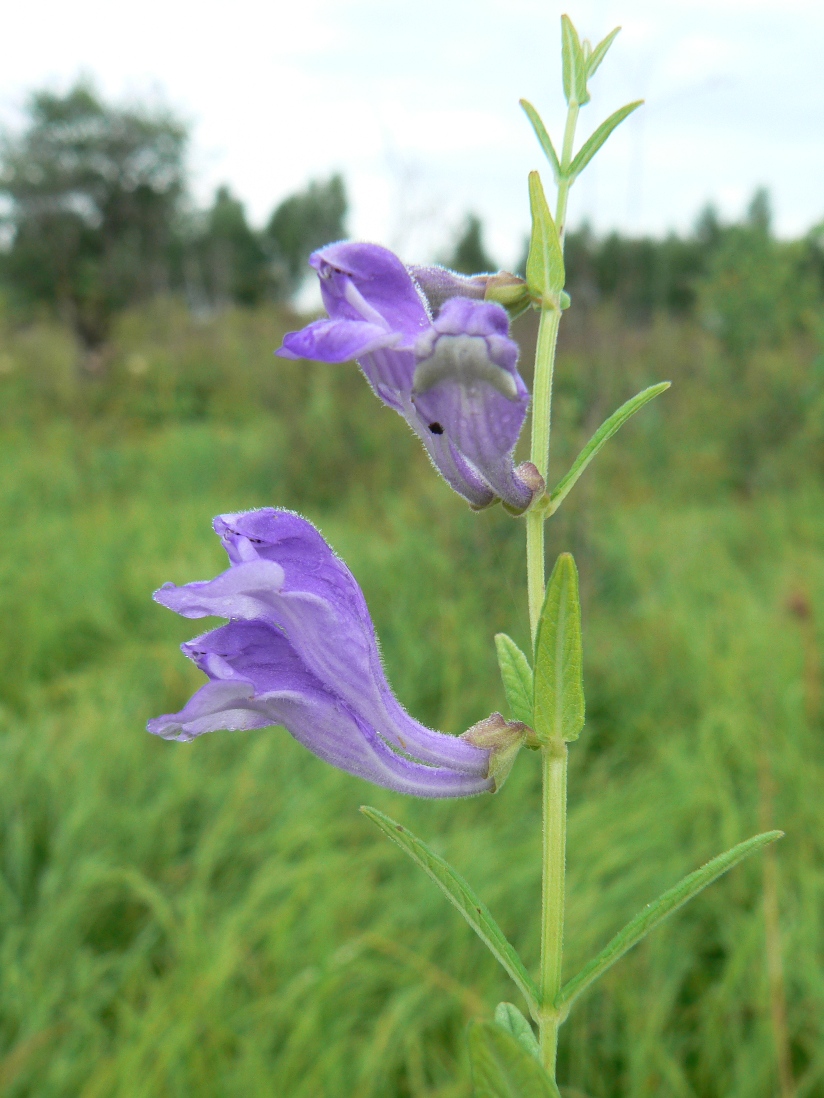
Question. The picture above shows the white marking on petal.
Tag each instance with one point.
(362, 306)
(464, 359)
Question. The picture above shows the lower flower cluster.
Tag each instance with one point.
(300, 650)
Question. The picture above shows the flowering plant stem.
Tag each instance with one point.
(552, 897)
(554, 751)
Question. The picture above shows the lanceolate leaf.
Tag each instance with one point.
(516, 675)
(600, 52)
(545, 262)
(574, 65)
(594, 143)
(655, 912)
(543, 137)
(508, 1017)
(458, 891)
(604, 432)
(559, 686)
(502, 1068)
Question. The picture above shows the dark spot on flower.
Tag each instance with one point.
(436, 428)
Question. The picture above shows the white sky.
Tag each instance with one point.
(416, 102)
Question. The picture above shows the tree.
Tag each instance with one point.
(469, 254)
(95, 192)
(301, 223)
(231, 258)
(756, 289)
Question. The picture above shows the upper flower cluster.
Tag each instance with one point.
(436, 352)
(300, 650)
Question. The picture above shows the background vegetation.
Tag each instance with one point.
(216, 919)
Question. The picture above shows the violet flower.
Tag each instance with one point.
(300, 650)
(436, 352)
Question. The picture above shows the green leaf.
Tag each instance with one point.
(508, 1017)
(559, 685)
(574, 64)
(459, 892)
(545, 262)
(593, 143)
(502, 1068)
(657, 911)
(600, 52)
(516, 675)
(543, 137)
(604, 432)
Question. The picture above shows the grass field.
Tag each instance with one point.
(216, 919)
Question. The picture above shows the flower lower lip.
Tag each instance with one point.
(464, 360)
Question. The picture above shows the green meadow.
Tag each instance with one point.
(217, 919)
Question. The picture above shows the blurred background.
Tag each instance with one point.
(216, 919)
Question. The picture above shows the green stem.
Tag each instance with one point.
(566, 160)
(554, 754)
(542, 397)
(552, 931)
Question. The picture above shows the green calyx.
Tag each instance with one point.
(504, 739)
(510, 291)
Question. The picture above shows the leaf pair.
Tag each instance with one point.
(551, 699)
(589, 148)
(580, 61)
(460, 893)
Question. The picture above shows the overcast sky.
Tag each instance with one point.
(417, 102)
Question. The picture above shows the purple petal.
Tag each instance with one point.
(390, 374)
(368, 282)
(461, 316)
(248, 591)
(453, 466)
(335, 340)
(258, 679)
(217, 705)
(467, 382)
(285, 574)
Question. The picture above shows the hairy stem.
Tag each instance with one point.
(554, 753)
(566, 160)
(552, 929)
(542, 397)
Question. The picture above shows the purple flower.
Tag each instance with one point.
(436, 352)
(300, 650)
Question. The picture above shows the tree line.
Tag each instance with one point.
(99, 216)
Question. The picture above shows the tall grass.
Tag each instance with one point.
(216, 919)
